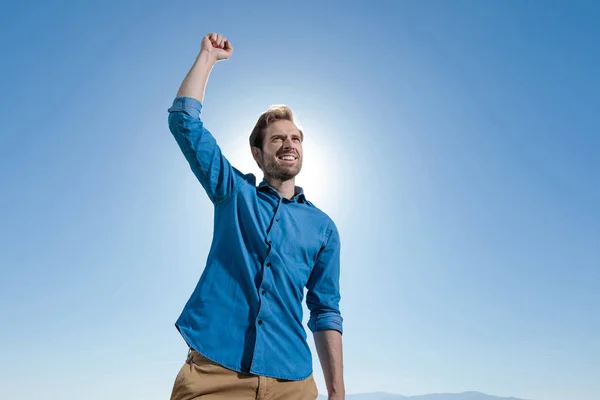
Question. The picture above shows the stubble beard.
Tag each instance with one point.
(280, 172)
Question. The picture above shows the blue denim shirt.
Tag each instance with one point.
(246, 310)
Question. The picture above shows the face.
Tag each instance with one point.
(281, 155)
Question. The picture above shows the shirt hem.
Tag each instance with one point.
(200, 351)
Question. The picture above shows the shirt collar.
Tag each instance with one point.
(299, 195)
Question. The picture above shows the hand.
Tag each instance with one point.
(217, 46)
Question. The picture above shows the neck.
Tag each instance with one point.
(286, 189)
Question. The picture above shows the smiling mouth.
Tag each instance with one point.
(288, 157)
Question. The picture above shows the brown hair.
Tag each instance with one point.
(274, 113)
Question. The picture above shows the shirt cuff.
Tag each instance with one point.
(188, 105)
(326, 322)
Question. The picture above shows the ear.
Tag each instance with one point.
(257, 155)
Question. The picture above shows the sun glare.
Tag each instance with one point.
(317, 170)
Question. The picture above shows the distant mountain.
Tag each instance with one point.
(437, 396)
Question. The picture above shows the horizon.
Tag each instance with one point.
(439, 396)
(454, 144)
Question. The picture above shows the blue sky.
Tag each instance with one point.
(455, 144)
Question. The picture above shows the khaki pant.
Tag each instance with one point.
(203, 379)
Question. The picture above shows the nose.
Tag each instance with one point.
(288, 143)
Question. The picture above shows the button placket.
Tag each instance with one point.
(267, 264)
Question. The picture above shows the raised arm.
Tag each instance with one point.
(214, 48)
(198, 145)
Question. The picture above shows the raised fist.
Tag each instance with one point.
(217, 46)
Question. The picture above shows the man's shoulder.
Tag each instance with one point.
(322, 215)
(250, 179)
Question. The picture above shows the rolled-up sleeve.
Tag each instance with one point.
(188, 105)
(201, 150)
(323, 287)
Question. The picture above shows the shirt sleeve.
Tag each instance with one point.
(323, 294)
(201, 150)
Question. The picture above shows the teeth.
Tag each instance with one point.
(288, 158)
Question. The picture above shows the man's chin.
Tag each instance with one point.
(286, 174)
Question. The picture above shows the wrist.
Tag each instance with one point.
(206, 57)
(337, 392)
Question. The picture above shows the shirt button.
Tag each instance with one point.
(264, 292)
(277, 219)
(260, 321)
(269, 265)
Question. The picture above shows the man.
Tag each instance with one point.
(243, 322)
